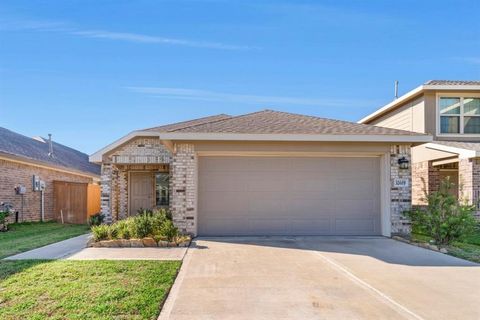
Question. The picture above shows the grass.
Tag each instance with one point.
(101, 289)
(468, 248)
(22, 237)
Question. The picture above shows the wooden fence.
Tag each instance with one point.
(75, 201)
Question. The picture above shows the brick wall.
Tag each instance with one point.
(400, 198)
(183, 195)
(141, 154)
(425, 179)
(13, 174)
(469, 181)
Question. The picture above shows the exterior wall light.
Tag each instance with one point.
(403, 163)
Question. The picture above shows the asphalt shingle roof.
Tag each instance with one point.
(276, 122)
(189, 123)
(469, 145)
(452, 82)
(12, 143)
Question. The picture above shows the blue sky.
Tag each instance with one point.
(91, 71)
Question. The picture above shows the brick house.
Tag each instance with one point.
(450, 112)
(23, 158)
(263, 173)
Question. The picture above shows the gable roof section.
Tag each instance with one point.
(276, 122)
(429, 85)
(269, 125)
(186, 124)
(155, 132)
(16, 145)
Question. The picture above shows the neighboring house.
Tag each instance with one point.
(263, 173)
(23, 158)
(450, 112)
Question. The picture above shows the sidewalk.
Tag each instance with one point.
(74, 249)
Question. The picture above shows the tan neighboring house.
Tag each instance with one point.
(450, 112)
(40, 177)
(263, 173)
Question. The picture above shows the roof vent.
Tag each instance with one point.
(396, 89)
(39, 139)
(50, 145)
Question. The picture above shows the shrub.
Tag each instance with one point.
(95, 220)
(142, 211)
(124, 228)
(100, 232)
(168, 230)
(112, 232)
(445, 218)
(142, 226)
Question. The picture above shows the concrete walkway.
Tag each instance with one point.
(74, 249)
(321, 278)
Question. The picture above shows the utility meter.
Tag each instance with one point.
(42, 185)
(20, 189)
(36, 183)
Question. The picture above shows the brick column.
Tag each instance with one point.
(425, 179)
(469, 181)
(400, 197)
(183, 196)
(106, 191)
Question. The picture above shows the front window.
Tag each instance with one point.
(161, 189)
(459, 115)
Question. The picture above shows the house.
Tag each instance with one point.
(450, 112)
(263, 173)
(31, 169)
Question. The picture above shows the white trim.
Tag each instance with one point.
(462, 153)
(288, 154)
(97, 156)
(385, 199)
(413, 93)
(420, 138)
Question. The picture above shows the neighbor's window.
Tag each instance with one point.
(459, 115)
(161, 189)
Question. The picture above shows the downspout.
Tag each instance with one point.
(42, 201)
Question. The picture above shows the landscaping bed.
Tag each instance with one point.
(22, 237)
(149, 228)
(62, 289)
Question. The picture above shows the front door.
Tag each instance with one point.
(141, 191)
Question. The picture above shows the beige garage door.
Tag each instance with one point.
(289, 196)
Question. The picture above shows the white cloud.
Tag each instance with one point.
(65, 28)
(141, 38)
(205, 95)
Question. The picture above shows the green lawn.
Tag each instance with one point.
(468, 248)
(100, 289)
(26, 236)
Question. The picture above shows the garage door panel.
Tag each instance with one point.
(226, 199)
(312, 207)
(355, 226)
(224, 226)
(303, 196)
(306, 226)
(264, 164)
(223, 181)
(268, 181)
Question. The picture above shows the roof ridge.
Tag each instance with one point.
(220, 120)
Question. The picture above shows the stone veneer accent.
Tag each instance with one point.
(183, 195)
(141, 154)
(400, 198)
(425, 179)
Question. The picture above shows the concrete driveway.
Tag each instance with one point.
(321, 278)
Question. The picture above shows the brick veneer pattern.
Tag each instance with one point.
(183, 195)
(400, 198)
(13, 174)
